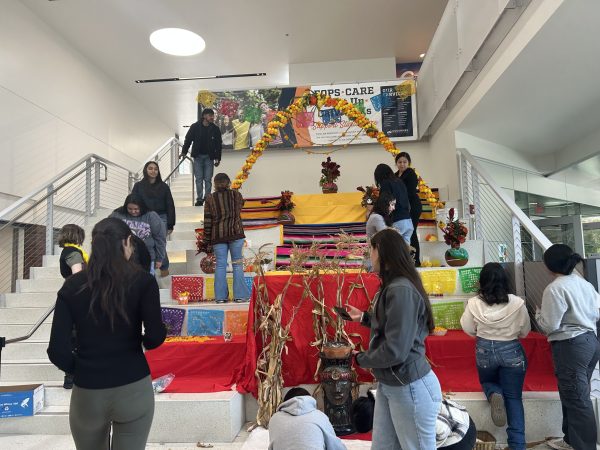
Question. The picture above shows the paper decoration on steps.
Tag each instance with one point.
(469, 279)
(236, 322)
(448, 314)
(173, 320)
(439, 281)
(209, 288)
(192, 284)
(205, 322)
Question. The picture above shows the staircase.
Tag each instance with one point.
(215, 417)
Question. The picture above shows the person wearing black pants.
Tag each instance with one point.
(411, 181)
(569, 317)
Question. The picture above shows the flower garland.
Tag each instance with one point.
(320, 100)
(429, 195)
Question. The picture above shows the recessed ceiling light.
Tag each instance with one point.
(422, 55)
(177, 41)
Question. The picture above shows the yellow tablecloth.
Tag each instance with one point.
(328, 208)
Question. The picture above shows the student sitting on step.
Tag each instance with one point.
(299, 425)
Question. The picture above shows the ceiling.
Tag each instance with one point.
(241, 37)
(549, 96)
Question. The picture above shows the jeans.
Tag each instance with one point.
(405, 416)
(502, 366)
(574, 361)
(165, 262)
(405, 228)
(240, 289)
(203, 173)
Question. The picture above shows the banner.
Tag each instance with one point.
(242, 116)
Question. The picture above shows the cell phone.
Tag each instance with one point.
(342, 313)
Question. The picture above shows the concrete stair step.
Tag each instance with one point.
(22, 315)
(189, 209)
(28, 299)
(27, 370)
(185, 226)
(45, 272)
(176, 418)
(29, 349)
(180, 245)
(196, 217)
(40, 285)
(183, 235)
(51, 260)
(12, 331)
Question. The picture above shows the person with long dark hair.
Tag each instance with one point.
(146, 225)
(223, 232)
(410, 179)
(108, 303)
(498, 319)
(386, 181)
(569, 317)
(380, 216)
(409, 395)
(158, 198)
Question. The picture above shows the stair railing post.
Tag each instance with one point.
(50, 221)
(96, 186)
(518, 252)
(88, 187)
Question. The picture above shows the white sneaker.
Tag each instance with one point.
(559, 444)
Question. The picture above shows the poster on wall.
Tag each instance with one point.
(242, 116)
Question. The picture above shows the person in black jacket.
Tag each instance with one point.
(410, 179)
(206, 152)
(386, 181)
(108, 303)
(409, 395)
(157, 196)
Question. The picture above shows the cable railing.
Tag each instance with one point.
(509, 236)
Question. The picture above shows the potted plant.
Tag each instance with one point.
(370, 195)
(208, 263)
(285, 208)
(455, 233)
(329, 173)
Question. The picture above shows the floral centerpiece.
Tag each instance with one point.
(285, 207)
(455, 233)
(329, 173)
(208, 263)
(370, 195)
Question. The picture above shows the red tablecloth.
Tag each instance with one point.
(452, 356)
(209, 366)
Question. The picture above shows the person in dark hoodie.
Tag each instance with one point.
(409, 395)
(498, 319)
(387, 182)
(146, 225)
(299, 425)
(206, 152)
(157, 196)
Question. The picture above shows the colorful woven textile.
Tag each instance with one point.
(305, 235)
(260, 208)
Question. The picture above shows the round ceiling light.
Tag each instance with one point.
(177, 41)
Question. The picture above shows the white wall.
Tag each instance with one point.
(55, 107)
(349, 71)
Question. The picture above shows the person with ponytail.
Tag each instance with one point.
(498, 319)
(108, 303)
(409, 395)
(568, 317)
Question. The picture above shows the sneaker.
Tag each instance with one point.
(559, 444)
(241, 300)
(68, 381)
(497, 409)
(223, 300)
(199, 203)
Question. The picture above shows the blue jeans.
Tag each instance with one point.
(405, 416)
(405, 228)
(574, 362)
(502, 366)
(165, 262)
(203, 173)
(240, 289)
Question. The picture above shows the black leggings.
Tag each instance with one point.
(466, 443)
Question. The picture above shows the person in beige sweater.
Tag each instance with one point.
(498, 319)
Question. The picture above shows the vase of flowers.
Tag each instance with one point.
(208, 262)
(285, 209)
(455, 233)
(330, 171)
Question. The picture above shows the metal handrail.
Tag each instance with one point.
(526, 222)
(157, 152)
(177, 167)
(54, 179)
(34, 328)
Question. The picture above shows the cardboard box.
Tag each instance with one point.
(22, 400)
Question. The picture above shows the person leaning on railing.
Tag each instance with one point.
(108, 303)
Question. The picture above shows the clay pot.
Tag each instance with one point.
(208, 264)
(456, 256)
(336, 350)
(286, 218)
(329, 188)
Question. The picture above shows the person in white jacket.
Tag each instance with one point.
(498, 319)
(299, 425)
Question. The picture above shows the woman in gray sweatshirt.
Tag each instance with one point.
(147, 225)
(568, 317)
(380, 217)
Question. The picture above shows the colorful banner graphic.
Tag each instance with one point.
(243, 116)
